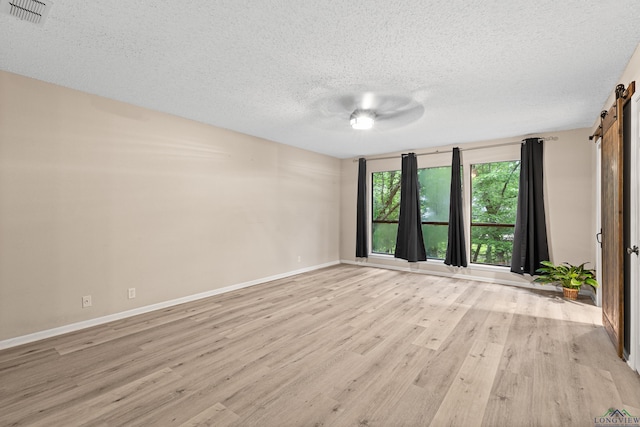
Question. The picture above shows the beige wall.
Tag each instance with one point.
(569, 194)
(97, 196)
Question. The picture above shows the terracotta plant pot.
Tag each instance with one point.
(570, 293)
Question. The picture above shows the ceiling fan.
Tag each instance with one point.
(365, 110)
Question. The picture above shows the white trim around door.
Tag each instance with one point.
(634, 356)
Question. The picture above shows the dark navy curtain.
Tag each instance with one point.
(530, 236)
(409, 241)
(456, 250)
(362, 250)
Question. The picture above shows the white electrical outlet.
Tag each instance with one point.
(132, 293)
(86, 301)
(299, 258)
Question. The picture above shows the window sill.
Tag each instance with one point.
(472, 266)
(391, 257)
(485, 267)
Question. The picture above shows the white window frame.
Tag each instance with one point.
(505, 153)
(434, 160)
(476, 154)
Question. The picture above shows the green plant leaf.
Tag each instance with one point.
(591, 282)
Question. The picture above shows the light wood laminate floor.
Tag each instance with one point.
(342, 346)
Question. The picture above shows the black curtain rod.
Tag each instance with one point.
(547, 138)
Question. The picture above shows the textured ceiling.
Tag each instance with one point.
(438, 72)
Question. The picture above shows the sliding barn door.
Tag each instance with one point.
(613, 229)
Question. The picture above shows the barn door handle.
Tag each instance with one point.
(599, 238)
(633, 250)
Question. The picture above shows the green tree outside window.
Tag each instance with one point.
(386, 211)
(494, 194)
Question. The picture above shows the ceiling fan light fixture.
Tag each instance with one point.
(362, 119)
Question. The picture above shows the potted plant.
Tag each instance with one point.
(571, 277)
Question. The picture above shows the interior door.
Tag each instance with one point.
(614, 231)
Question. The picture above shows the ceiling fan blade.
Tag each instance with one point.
(391, 110)
(399, 118)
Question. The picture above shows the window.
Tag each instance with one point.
(386, 211)
(494, 195)
(435, 185)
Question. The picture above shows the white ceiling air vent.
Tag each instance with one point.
(34, 11)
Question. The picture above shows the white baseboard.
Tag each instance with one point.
(25, 339)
